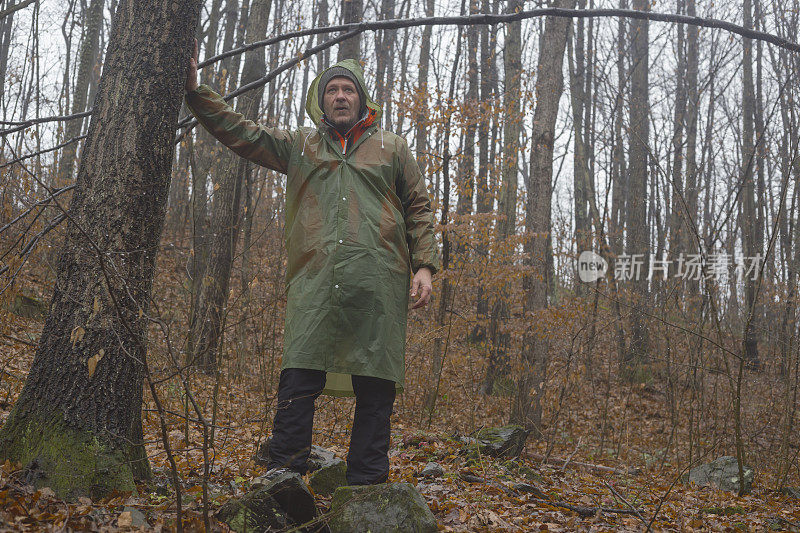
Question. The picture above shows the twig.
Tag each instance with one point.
(17, 339)
(577, 446)
(621, 497)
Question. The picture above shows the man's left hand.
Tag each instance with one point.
(421, 284)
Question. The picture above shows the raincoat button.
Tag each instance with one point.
(343, 198)
(340, 241)
(336, 286)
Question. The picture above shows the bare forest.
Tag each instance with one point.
(615, 187)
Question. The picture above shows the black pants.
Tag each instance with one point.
(367, 459)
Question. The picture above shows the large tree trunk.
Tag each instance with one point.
(507, 203)
(212, 299)
(638, 230)
(527, 406)
(72, 424)
(352, 11)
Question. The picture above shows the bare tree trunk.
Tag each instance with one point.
(749, 214)
(618, 171)
(466, 184)
(385, 45)
(208, 329)
(678, 213)
(691, 189)
(580, 106)
(72, 424)
(507, 204)
(90, 48)
(5, 45)
(446, 298)
(204, 160)
(527, 405)
(638, 246)
(422, 90)
(352, 11)
(482, 196)
(227, 78)
(324, 58)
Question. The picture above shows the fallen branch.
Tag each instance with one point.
(563, 463)
(586, 512)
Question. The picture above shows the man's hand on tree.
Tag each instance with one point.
(421, 284)
(191, 76)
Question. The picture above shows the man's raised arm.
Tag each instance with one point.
(269, 147)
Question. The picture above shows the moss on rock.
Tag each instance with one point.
(388, 508)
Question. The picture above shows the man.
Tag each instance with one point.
(358, 221)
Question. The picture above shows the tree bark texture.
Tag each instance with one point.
(507, 203)
(352, 11)
(225, 223)
(527, 406)
(72, 425)
(749, 214)
(638, 229)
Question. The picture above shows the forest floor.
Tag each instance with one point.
(582, 489)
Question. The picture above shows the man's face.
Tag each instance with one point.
(340, 102)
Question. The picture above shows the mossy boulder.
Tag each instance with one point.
(329, 477)
(254, 512)
(385, 508)
(723, 473)
(505, 441)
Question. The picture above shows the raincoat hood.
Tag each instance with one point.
(312, 97)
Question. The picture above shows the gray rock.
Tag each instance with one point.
(506, 441)
(384, 508)
(137, 517)
(792, 492)
(321, 457)
(723, 473)
(291, 493)
(317, 458)
(432, 470)
(329, 477)
(254, 512)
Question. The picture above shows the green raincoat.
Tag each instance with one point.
(358, 221)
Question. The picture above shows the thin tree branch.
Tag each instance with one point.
(478, 19)
(21, 125)
(6, 12)
(40, 152)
